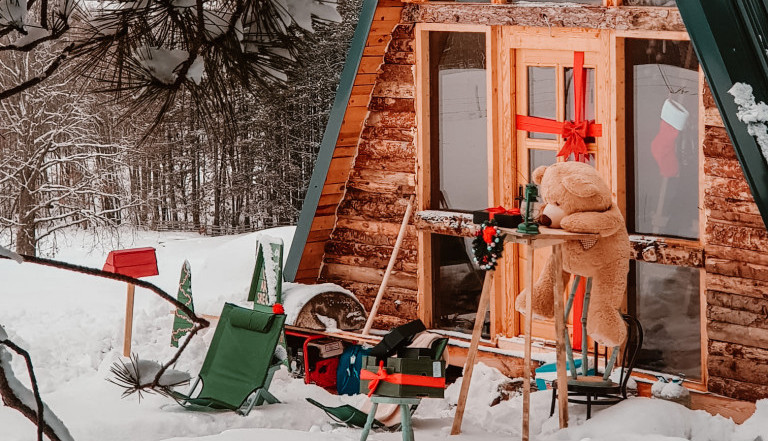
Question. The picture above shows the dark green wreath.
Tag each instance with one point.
(488, 245)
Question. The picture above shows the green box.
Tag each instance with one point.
(422, 366)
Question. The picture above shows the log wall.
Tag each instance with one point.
(382, 179)
(736, 261)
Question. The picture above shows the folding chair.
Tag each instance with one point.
(240, 362)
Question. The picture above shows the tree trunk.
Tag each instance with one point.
(25, 234)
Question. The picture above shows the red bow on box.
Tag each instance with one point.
(403, 379)
(574, 131)
(501, 210)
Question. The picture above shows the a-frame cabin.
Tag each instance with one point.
(427, 106)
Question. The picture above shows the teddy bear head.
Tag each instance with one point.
(571, 187)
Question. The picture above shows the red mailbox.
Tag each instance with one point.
(134, 262)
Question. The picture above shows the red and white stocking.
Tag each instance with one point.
(673, 119)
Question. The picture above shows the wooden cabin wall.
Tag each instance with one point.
(736, 261)
(379, 186)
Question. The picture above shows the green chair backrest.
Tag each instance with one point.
(241, 352)
(267, 281)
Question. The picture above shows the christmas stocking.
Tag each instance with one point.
(673, 118)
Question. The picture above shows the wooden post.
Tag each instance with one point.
(128, 320)
(560, 336)
(392, 260)
(469, 365)
(528, 329)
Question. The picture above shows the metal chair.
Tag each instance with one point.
(600, 390)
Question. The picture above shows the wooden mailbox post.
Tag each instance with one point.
(134, 262)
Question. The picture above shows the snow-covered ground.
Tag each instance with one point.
(72, 326)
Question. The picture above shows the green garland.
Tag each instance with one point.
(488, 245)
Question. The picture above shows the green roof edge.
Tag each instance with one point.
(331, 135)
(726, 35)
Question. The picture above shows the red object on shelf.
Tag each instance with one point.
(324, 373)
(134, 262)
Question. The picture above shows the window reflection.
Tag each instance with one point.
(665, 299)
(459, 122)
(542, 96)
(662, 135)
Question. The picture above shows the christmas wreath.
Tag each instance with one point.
(488, 245)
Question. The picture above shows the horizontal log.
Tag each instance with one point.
(446, 222)
(736, 268)
(736, 317)
(713, 118)
(747, 220)
(666, 251)
(546, 16)
(407, 257)
(387, 322)
(731, 205)
(374, 262)
(751, 371)
(512, 367)
(373, 206)
(736, 189)
(403, 30)
(392, 104)
(737, 285)
(379, 40)
(737, 351)
(397, 279)
(717, 143)
(723, 167)
(396, 73)
(401, 45)
(388, 229)
(396, 301)
(729, 253)
(394, 89)
(400, 57)
(735, 236)
(732, 333)
(388, 134)
(740, 390)
(402, 120)
(386, 164)
(738, 303)
(381, 148)
(378, 181)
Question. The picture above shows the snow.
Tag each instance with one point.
(751, 113)
(72, 326)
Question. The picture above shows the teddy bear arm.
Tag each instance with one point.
(603, 223)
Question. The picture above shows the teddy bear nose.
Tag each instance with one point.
(545, 220)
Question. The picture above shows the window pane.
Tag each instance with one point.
(457, 284)
(542, 96)
(589, 96)
(459, 131)
(666, 302)
(663, 135)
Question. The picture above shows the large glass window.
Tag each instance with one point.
(459, 168)
(665, 299)
(662, 138)
(458, 122)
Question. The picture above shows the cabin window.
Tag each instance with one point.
(662, 138)
(458, 170)
(459, 121)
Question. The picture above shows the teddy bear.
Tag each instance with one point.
(578, 200)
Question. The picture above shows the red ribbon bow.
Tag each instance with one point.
(495, 210)
(488, 234)
(403, 379)
(574, 131)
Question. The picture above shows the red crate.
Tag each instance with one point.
(134, 262)
(324, 373)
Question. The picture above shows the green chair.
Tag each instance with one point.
(354, 417)
(240, 362)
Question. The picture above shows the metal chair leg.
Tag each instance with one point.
(589, 406)
(369, 421)
(554, 398)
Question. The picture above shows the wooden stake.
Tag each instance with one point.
(392, 260)
(128, 320)
(528, 327)
(560, 335)
(469, 365)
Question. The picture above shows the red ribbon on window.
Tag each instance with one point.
(574, 131)
(404, 379)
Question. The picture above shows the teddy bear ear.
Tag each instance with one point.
(581, 185)
(538, 174)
